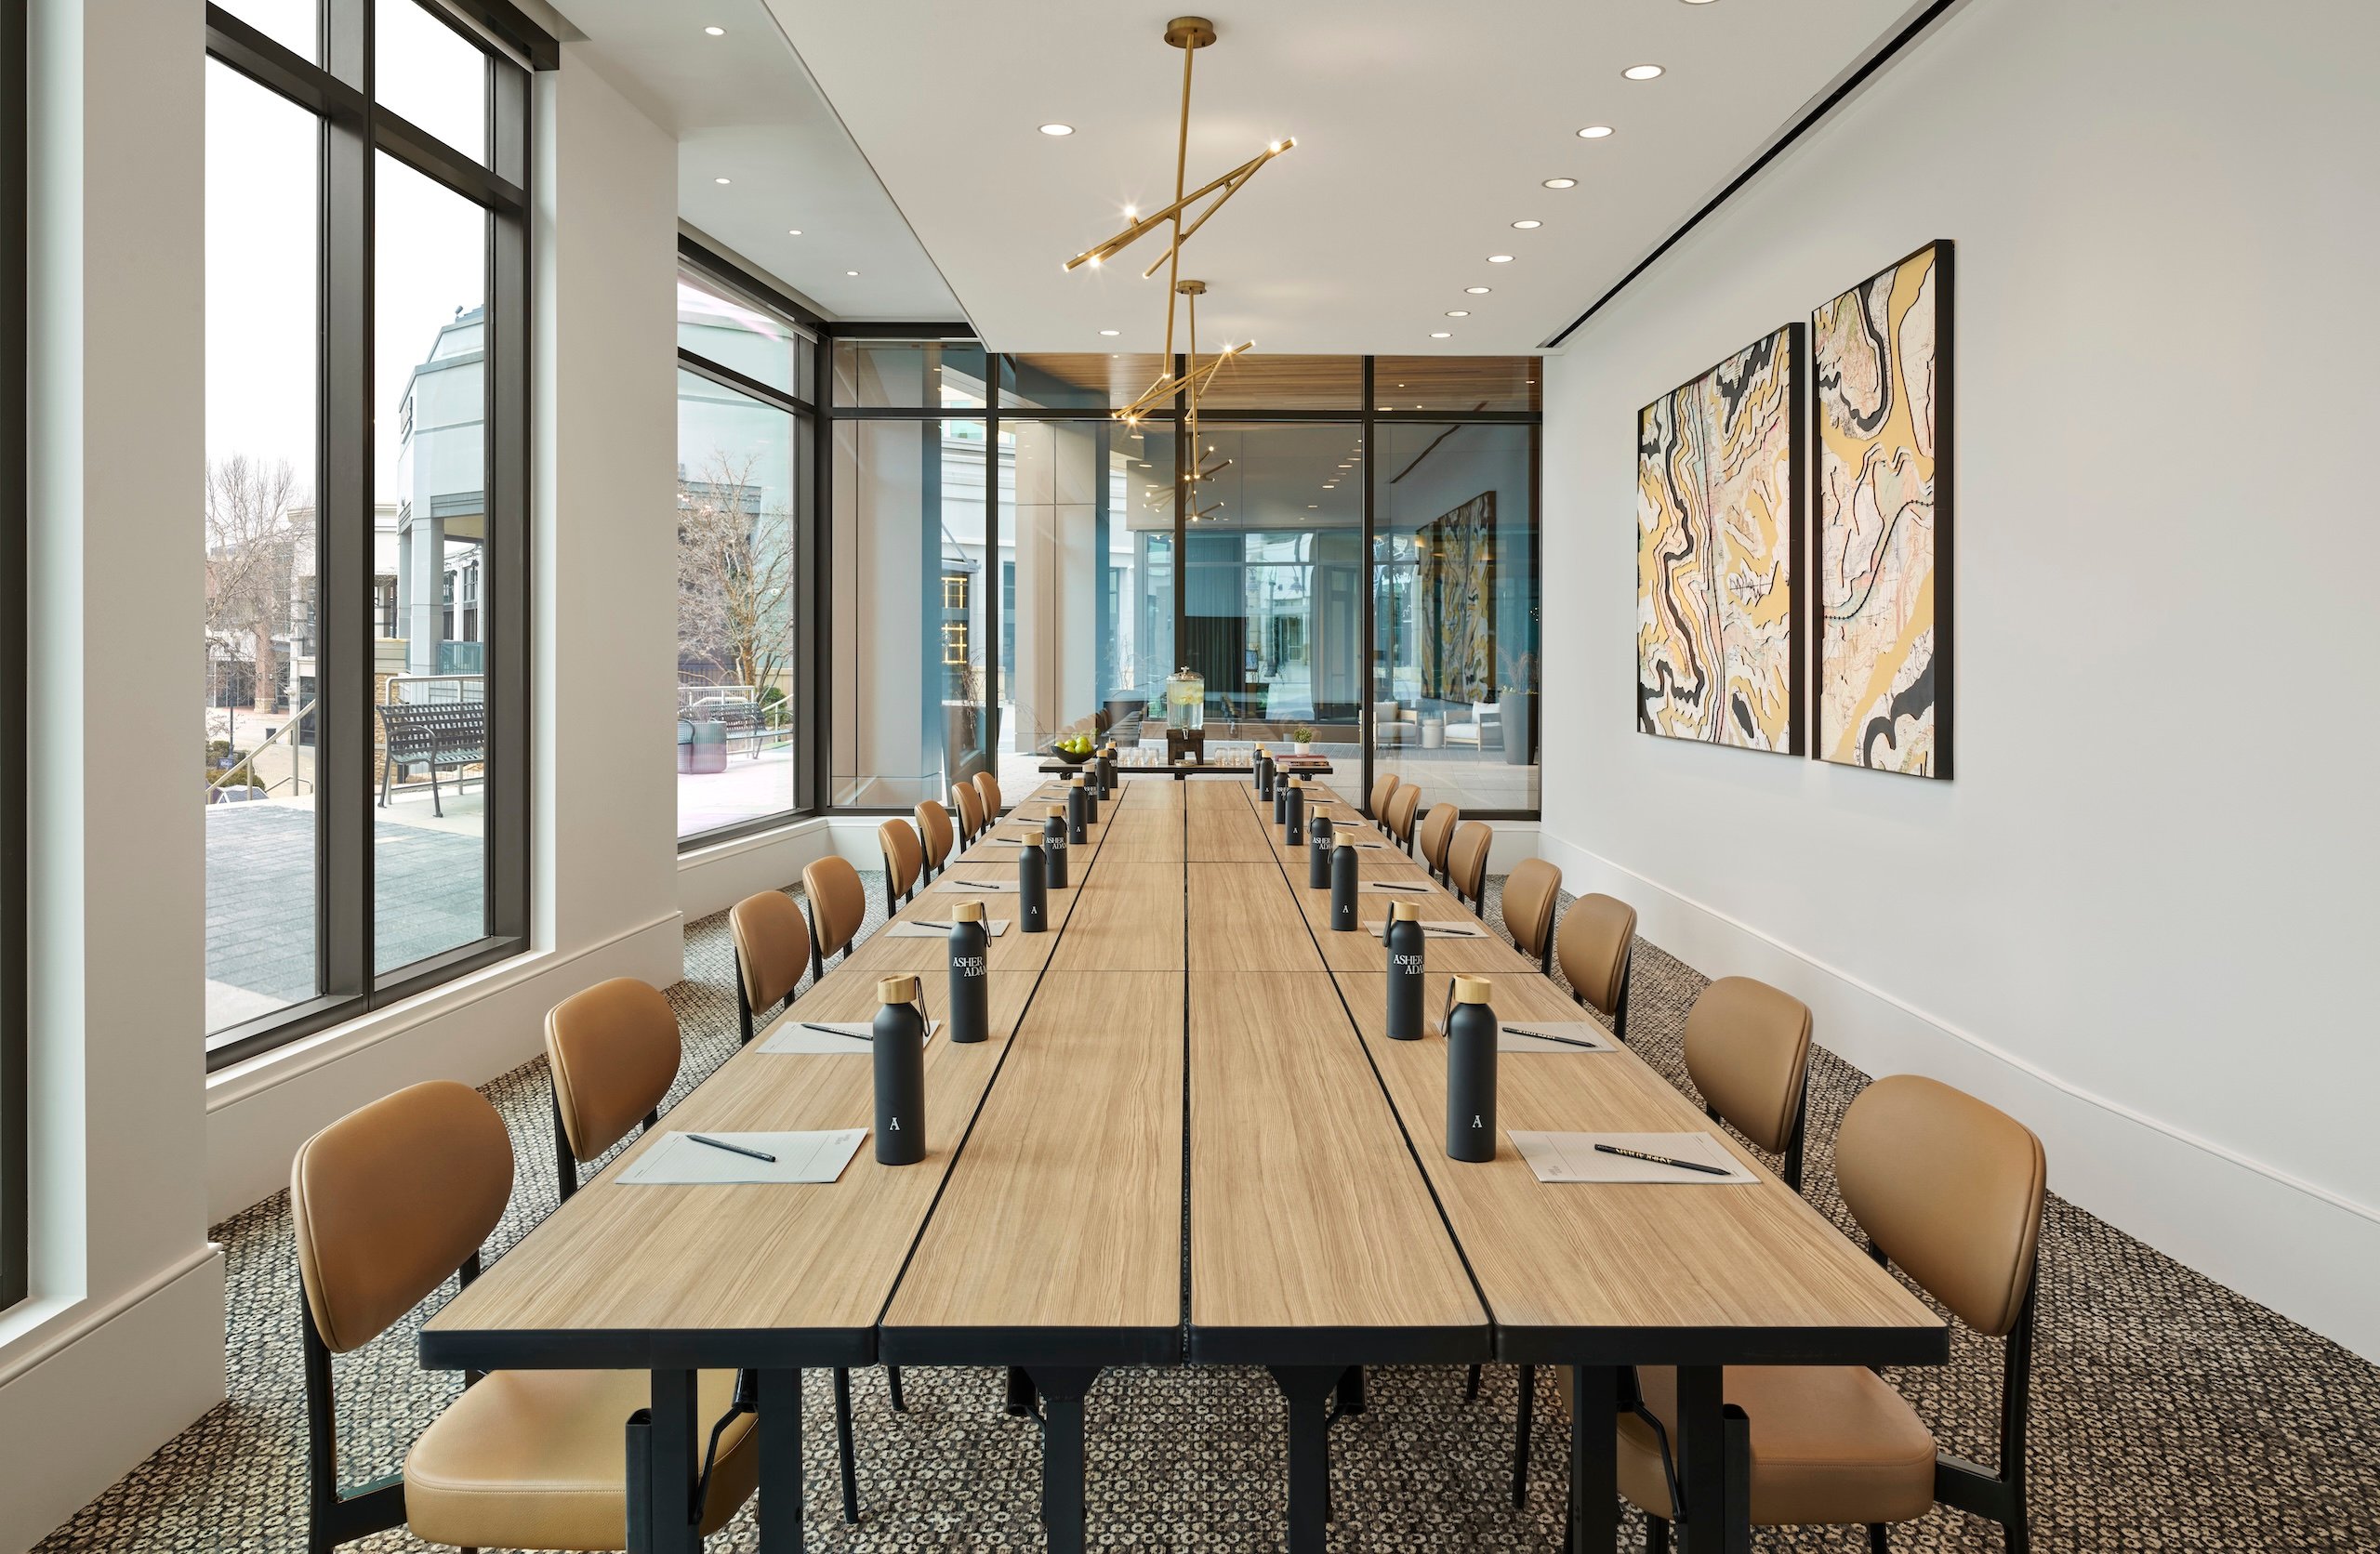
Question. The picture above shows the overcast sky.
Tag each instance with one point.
(262, 224)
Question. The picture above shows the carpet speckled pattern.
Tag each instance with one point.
(2170, 1413)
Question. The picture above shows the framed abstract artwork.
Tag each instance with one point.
(1718, 514)
(1456, 566)
(1880, 358)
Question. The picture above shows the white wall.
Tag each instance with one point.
(122, 1341)
(2139, 915)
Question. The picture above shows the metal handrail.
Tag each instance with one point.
(249, 763)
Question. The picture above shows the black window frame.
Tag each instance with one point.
(16, 1154)
(809, 582)
(354, 131)
(1366, 415)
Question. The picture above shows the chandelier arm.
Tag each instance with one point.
(1155, 219)
(1232, 182)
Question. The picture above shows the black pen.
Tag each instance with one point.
(732, 1149)
(837, 1031)
(1665, 1160)
(1385, 885)
(1548, 1036)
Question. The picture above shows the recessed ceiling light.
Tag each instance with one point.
(716, 32)
(1527, 226)
(1455, 314)
(1641, 73)
(1111, 332)
(1439, 335)
(1500, 258)
(1561, 183)
(1594, 132)
(719, 181)
(1476, 291)
(851, 273)
(793, 231)
(1312, 506)
(1069, 129)
(1388, 407)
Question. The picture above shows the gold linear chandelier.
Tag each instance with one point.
(1188, 33)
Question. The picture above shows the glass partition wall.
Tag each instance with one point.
(1349, 552)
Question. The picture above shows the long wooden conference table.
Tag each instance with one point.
(1187, 1141)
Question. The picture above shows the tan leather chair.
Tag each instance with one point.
(933, 831)
(1531, 892)
(1384, 789)
(987, 788)
(969, 806)
(1402, 805)
(838, 908)
(1437, 834)
(1748, 1051)
(1952, 1190)
(389, 1201)
(612, 1052)
(771, 952)
(1595, 947)
(1467, 863)
(904, 862)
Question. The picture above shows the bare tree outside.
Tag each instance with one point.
(734, 577)
(254, 532)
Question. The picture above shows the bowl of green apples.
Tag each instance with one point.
(1073, 749)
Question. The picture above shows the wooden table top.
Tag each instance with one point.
(1046, 1225)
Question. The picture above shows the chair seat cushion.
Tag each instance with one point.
(538, 1459)
(1830, 1445)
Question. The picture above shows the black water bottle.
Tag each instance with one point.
(1053, 845)
(1406, 941)
(1317, 857)
(1281, 798)
(1078, 815)
(898, 1040)
(1471, 1073)
(1344, 918)
(1295, 821)
(971, 974)
(1032, 888)
(1104, 764)
(1260, 767)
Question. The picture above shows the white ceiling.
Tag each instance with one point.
(744, 109)
(1425, 129)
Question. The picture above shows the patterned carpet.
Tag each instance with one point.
(2170, 1413)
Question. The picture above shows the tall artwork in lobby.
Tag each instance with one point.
(1881, 358)
(1718, 510)
(1455, 561)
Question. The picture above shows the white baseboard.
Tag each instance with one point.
(470, 1030)
(109, 1390)
(2304, 1251)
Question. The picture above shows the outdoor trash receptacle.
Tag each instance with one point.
(702, 746)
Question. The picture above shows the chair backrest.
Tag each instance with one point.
(934, 830)
(1949, 1188)
(1748, 1051)
(1592, 948)
(1401, 807)
(614, 1050)
(970, 805)
(837, 905)
(904, 859)
(390, 1200)
(1467, 859)
(987, 787)
(771, 946)
(1384, 789)
(1531, 892)
(1437, 830)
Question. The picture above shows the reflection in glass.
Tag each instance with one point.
(740, 491)
(259, 722)
(429, 545)
(909, 374)
(1456, 384)
(717, 325)
(430, 76)
(293, 24)
(909, 669)
(1455, 614)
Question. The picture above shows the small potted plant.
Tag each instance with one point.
(1303, 737)
(1515, 702)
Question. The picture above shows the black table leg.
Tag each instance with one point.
(1020, 1392)
(1062, 1389)
(1308, 1389)
(661, 1509)
(1702, 1458)
(1595, 1459)
(1351, 1390)
(780, 1486)
(1736, 1433)
(843, 1449)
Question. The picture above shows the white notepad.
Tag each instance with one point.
(996, 887)
(677, 1160)
(1436, 931)
(1569, 1157)
(795, 1036)
(1510, 1039)
(994, 928)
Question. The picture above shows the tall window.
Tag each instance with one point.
(743, 536)
(365, 506)
(14, 1155)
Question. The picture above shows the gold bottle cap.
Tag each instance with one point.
(967, 911)
(1057, 811)
(1404, 911)
(897, 990)
(1297, 782)
(1081, 782)
(1340, 838)
(1471, 990)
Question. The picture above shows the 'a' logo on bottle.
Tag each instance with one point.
(1476, 1121)
(896, 1125)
